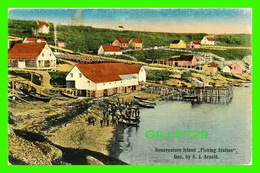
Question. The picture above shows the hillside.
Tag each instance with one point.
(87, 39)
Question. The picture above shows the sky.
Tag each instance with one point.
(174, 20)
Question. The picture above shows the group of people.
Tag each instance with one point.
(118, 112)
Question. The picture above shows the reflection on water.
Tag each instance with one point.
(228, 126)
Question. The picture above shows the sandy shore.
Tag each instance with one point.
(77, 133)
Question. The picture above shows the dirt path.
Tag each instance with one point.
(45, 79)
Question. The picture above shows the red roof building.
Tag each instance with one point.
(120, 42)
(31, 55)
(136, 44)
(34, 40)
(109, 50)
(106, 78)
(41, 24)
(183, 61)
(43, 27)
(194, 45)
(208, 41)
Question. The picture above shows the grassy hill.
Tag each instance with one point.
(87, 39)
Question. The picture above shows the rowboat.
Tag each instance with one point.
(69, 95)
(149, 102)
(146, 105)
(39, 97)
(140, 98)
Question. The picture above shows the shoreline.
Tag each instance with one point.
(75, 134)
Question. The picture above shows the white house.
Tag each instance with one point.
(208, 41)
(226, 69)
(96, 80)
(109, 50)
(31, 55)
(34, 40)
(43, 27)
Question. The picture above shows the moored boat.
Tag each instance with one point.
(140, 98)
(69, 95)
(147, 101)
(146, 105)
(128, 122)
(39, 97)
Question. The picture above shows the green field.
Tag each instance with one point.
(230, 54)
(87, 39)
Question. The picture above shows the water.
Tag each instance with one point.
(228, 126)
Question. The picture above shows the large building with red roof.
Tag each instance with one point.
(31, 55)
(103, 79)
(109, 50)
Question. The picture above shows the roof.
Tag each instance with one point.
(175, 41)
(41, 23)
(110, 48)
(61, 41)
(120, 27)
(34, 39)
(137, 40)
(25, 50)
(121, 40)
(107, 72)
(210, 38)
(182, 58)
(196, 42)
(213, 64)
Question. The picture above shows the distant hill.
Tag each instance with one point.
(87, 39)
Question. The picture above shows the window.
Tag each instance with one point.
(109, 83)
(71, 74)
(104, 84)
(42, 54)
(88, 81)
(80, 75)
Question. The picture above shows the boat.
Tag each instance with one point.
(135, 119)
(39, 97)
(149, 102)
(140, 98)
(146, 105)
(128, 122)
(237, 85)
(190, 97)
(69, 95)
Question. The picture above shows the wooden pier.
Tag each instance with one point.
(217, 95)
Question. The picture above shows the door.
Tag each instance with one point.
(21, 64)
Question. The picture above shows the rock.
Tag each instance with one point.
(247, 59)
(10, 130)
(24, 152)
(51, 152)
(93, 161)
